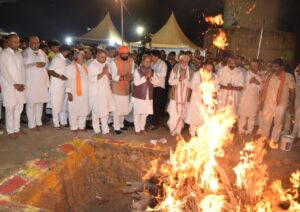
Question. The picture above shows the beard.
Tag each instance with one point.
(124, 57)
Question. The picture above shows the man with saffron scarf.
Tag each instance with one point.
(122, 74)
(101, 99)
(180, 82)
(277, 96)
(77, 90)
(58, 98)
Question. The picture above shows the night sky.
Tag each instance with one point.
(56, 19)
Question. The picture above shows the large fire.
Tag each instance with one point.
(193, 180)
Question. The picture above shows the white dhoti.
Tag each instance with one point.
(176, 120)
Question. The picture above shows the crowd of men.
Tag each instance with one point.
(111, 85)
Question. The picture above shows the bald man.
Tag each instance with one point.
(12, 76)
(37, 82)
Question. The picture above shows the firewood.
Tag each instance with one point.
(143, 203)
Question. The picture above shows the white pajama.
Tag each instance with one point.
(246, 124)
(268, 115)
(104, 125)
(13, 118)
(139, 122)
(118, 122)
(59, 109)
(34, 114)
(77, 122)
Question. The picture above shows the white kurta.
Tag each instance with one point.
(230, 98)
(101, 97)
(37, 80)
(177, 108)
(249, 103)
(57, 86)
(80, 105)
(12, 72)
(141, 106)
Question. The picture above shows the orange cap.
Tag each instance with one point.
(123, 50)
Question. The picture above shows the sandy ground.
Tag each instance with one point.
(35, 144)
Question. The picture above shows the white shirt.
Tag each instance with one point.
(160, 73)
(58, 64)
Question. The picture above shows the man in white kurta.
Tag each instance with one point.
(142, 94)
(249, 104)
(194, 113)
(57, 70)
(78, 92)
(37, 82)
(122, 74)
(277, 97)
(101, 98)
(231, 83)
(177, 108)
(12, 76)
(296, 130)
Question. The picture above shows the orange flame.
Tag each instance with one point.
(220, 40)
(215, 20)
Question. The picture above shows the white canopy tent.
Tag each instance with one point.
(105, 32)
(170, 36)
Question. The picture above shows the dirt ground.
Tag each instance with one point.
(35, 144)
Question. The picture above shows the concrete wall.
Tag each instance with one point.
(236, 13)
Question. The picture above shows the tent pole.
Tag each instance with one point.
(122, 22)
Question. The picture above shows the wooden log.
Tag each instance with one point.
(142, 204)
(227, 185)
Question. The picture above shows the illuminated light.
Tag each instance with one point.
(69, 40)
(140, 30)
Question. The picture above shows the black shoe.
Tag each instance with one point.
(128, 124)
(124, 128)
(118, 132)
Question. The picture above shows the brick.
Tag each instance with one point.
(117, 142)
(12, 185)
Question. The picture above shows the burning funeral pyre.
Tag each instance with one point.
(193, 180)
